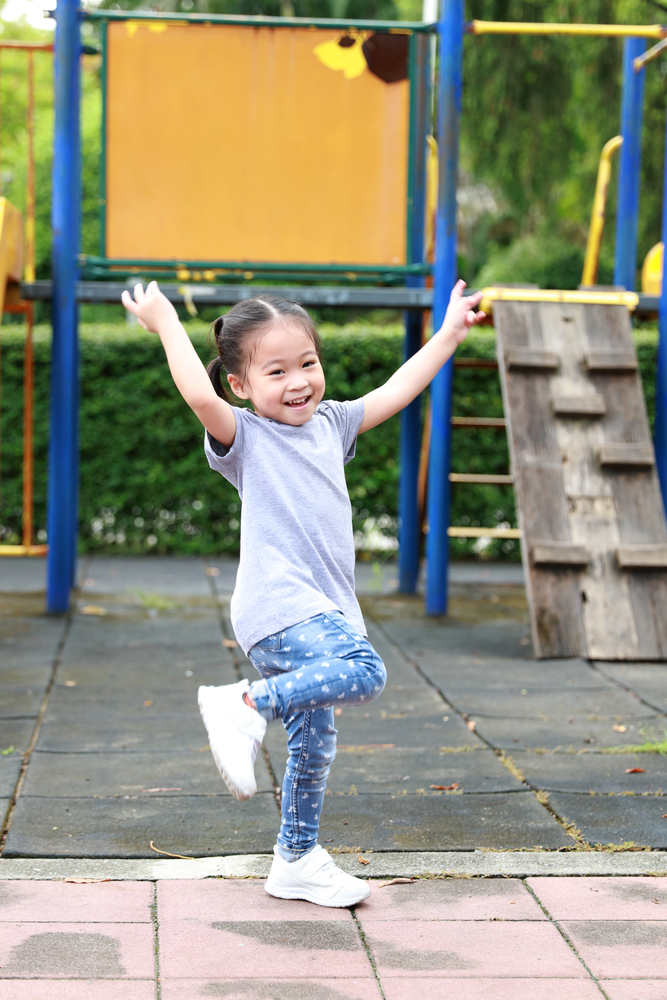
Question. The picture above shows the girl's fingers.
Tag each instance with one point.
(139, 295)
(128, 302)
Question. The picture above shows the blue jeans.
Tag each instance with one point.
(306, 670)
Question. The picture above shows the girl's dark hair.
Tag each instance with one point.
(234, 330)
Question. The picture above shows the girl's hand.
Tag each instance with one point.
(460, 315)
(151, 307)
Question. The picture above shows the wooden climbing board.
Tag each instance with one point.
(589, 501)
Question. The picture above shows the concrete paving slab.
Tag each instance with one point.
(245, 899)
(452, 899)
(77, 951)
(586, 772)
(498, 989)
(430, 949)
(116, 774)
(495, 642)
(271, 989)
(615, 819)
(28, 647)
(620, 948)
(589, 705)
(177, 575)
(397, 770)
(73, 989)
(62, 902)
(123, 828)
(436, 822)
(561, 734)
(635, 989)
(602, 898)
(647, 680)
(10, 768)
(17, 703)
(22, 573)
(16, 733)
(291, 949)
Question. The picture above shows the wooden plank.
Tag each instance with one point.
(611, 361)
(528, 357)
(559, 554)
(579, 406)
(553, 593)
(642, 556)
(621, 454)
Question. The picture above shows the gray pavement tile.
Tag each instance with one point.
(398, 770)
(22, 574)
(167, 575)
(615, 819)
(10, 768)
(648, 681)
(586, 772)
(28, 647)
(163, 669)
(438, 822)
(123, 828)
(592, 704)
(118, 774)
(497, 641)
(4, 806)
(16, 733)
(16, 703)
(550, 734)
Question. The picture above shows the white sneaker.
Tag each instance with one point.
(235, 732)
(317, 878)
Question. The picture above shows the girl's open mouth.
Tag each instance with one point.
(298, 404)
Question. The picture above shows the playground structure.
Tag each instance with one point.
(400, 85)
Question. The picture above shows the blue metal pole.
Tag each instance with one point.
(450, 30)
(660, 426)
(63, 448)
(629, 173)
(408, 505)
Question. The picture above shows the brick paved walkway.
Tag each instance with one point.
(508, 939)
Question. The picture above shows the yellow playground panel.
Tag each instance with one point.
(242, 143)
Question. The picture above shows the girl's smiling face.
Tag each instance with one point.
(284, 380)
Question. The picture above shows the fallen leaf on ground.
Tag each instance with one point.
(184, 857)
(635, 770)
(471, 724)
(620, 729)
(149, 790)
(212, 571)
(92, 609)
(70, 684)
(81, 881)
(230, 643)
(664, 815)
(445, 788)
(147, 704)
(396, 881)
(362, 860)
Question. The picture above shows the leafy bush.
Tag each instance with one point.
(146, 486)
(549, 262)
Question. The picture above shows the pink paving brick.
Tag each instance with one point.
(635, 989)
(64, 901)
(620, 949)
(275, 989)
(77, 989)
(284, 949)
(640, 898)
(240, 899)
(452, 899)
(500, 949)
(76, 951)
(492, 989)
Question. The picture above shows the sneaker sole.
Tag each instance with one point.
(310, 898)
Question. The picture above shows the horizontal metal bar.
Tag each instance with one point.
(312, 295)
(484, 532)
(26, 46)
(539, 28)
(260, 21)
(23, 550)
(480, 478)
(479, 422)
(639, 63)
(211, 270)
(219, 295)
(569, 297)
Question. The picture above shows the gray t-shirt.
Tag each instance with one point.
(297, 545)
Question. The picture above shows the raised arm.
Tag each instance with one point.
(156, 314)
(418, 371)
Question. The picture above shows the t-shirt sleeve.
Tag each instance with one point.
(228, 461)
(348, 418)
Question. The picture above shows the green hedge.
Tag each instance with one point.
(146, 486)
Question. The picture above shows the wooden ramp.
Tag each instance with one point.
(588, 496)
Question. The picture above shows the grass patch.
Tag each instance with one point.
(651, 746)
(156, 601)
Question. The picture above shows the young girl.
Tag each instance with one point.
(294, 610)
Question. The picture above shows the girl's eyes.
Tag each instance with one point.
(278, 371)
(307, 364)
